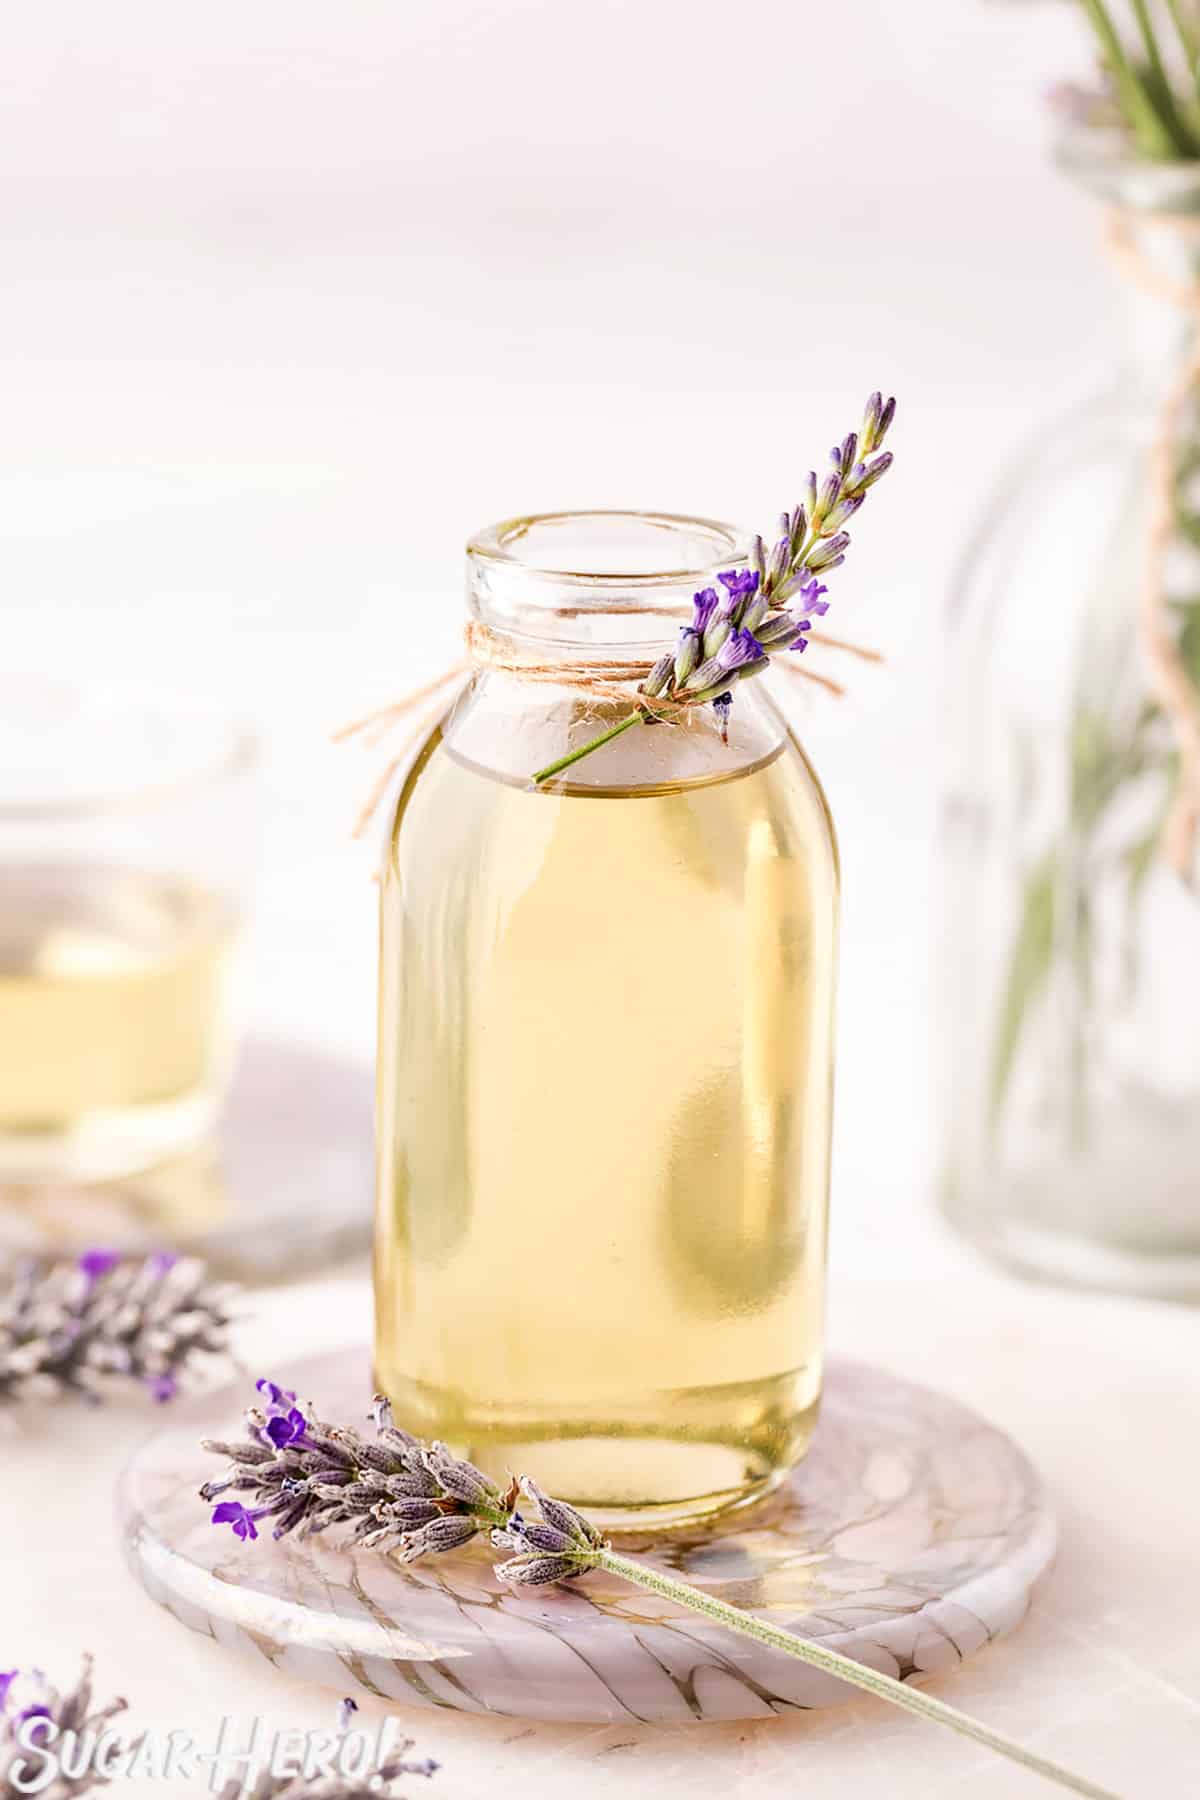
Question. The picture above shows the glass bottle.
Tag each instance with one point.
(1071, 950)
(605, 1053)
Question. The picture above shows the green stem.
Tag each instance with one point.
(885, 1687)
(574, 756)
(1152, 120)
(1187, 36)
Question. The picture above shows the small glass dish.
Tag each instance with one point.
(127, 825)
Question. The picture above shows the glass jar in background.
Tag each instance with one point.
(605, 1053)
(1071, 946)
(126, 831)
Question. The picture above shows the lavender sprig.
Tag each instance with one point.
(768, 607)
(26, 1694)
(79, 1327)
(395, 1492)
(398, 1494)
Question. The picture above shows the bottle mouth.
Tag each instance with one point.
(599, 576)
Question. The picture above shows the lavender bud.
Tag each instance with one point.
(659, 675)
(873, 471)
(831, 487)
(714, 637)
(710, 669)
(462, 1480)
(408, 1514)
(749, 670)
(536, 1571)
(844, 510)
(447, 1533)
(558, 1513)
(781, 557)
(811, 492)
(885, 420)
(823, 554)
(755, 612)
(535, 1534)
(799, 528)
(870, 424)
(687, 654)
(849, 451)
(758, 559)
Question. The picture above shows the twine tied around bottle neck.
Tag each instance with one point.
(1170, 680)
(600, 678)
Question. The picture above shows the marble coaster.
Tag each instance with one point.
(909, 1537)
(286, 1185)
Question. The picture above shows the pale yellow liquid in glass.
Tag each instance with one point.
(113, 1016)
(604, 1116)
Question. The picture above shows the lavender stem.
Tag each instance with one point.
(884, 1687)
(574, 756)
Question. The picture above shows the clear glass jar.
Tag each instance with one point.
(126, 836)
(605, 1053)
(1071, 951)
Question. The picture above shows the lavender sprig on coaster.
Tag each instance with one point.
(25, 1695)
(767, 608)
(397, 1494)
(80, 1327)
(393, 1491)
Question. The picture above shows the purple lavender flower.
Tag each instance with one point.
(739, 583)
(95, 1263)
(161, 1263)
(285, 1428)
(704, 605)
(740, 648)
(275, 1395)
(79, 1327)
(808, 600)
(232, 1512)
(7, 1677)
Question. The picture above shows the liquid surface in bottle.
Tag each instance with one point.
(605, 1051)
(113, 1004)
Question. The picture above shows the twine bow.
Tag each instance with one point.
(1169, 678)
(600, 679)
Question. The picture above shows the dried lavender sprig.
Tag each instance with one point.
(333, 1787)
(766, 607)
(80, 1327)
(395, 1492)
(557, 1544)
(27, 1694)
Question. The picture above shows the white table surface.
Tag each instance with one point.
(1104, 1674)
(294, 297)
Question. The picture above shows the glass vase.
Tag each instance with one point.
(127, 832)
(605, 1051)
(1071, 950)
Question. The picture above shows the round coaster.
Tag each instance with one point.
(286, 1185)
(910, 1536)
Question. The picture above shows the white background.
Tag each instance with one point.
(293, 297)
(296, 296)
